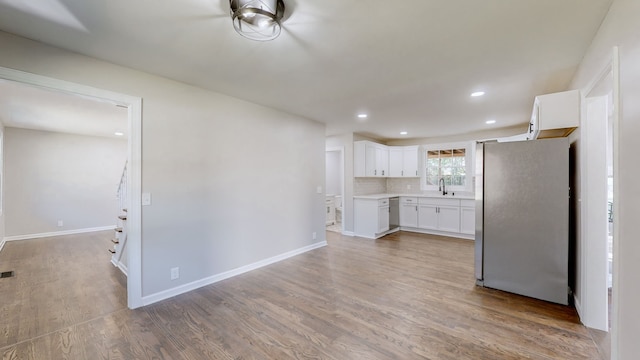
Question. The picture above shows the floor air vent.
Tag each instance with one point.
(7, 274)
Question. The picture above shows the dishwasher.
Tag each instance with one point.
(394, 213)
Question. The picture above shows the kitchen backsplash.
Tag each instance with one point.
(368, 186)
(399, 186)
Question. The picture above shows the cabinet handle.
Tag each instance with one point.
(375, 172)
(328, 210)
(416, 208)
(530, 127)
(402, 173)
(416, 172)
(382, 172)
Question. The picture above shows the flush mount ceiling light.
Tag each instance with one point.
(490, 122)
(257, 19)
(477, 93)
(362, 116)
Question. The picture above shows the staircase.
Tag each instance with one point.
(118, 249)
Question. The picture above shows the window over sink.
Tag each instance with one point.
(450, 163)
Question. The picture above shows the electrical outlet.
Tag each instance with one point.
(60, 223)
(314, 235)
(175, 273)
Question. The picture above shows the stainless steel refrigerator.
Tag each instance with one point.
(522, 218)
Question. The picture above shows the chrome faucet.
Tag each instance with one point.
(441, 186)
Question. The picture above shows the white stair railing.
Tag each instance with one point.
(118, 253)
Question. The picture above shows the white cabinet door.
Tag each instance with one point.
(370, 160)
(410, 161)
(468, 220)
(428, 217)
(396, 154)
(409, 215)
(382, 161)
(383, 219)
(449, 218)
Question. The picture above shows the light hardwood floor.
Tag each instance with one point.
(406, 296)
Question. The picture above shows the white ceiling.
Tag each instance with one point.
(30, 107)
(409, 64)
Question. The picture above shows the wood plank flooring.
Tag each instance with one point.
(406, 296)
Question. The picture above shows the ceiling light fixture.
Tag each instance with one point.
(118, 133)
(362, 116)
(477, 93)
(403, 133)
(257, 19)
(490, 122)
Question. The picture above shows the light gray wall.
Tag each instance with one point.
(621, 28)
(2, 192)
(53, 176)
(232, 182)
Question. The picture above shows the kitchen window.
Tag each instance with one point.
(449, 162)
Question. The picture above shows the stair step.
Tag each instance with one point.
(118, 229)
(115, 241)
(123, 217)
(112, 251)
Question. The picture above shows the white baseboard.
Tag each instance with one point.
(120, 266)
(348, 233)
(2, 244)
(578, 307)
(58, 233)
(150, 299)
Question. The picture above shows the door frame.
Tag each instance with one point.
(585, 308)
(134, 153)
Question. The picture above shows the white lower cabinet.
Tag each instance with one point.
(371, 218)
(427, 217)
(383, 219)
(467, 217)
(439, 214)
(449, 218)
(409, 212)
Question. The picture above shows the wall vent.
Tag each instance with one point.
(7, 274)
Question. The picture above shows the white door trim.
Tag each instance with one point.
(134, 214)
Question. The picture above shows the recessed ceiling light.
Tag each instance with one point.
(477, 93)
(118, 133)
(403, 133)
(489, 122)
(362, 116)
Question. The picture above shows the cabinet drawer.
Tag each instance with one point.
(383, 202)
(467, 203)
(439, 201)
(408, 200)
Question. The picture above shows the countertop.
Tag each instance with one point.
(385, 196)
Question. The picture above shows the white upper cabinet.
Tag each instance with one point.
(403, 161)
(370, 159)
(555, 115)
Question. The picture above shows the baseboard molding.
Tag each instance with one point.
(57, 233)
(348, 233)
(2, 244)
(578, 307)
(150, 299)
(120, 266)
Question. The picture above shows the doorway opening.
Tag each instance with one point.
(134, 151)
(334, 187)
